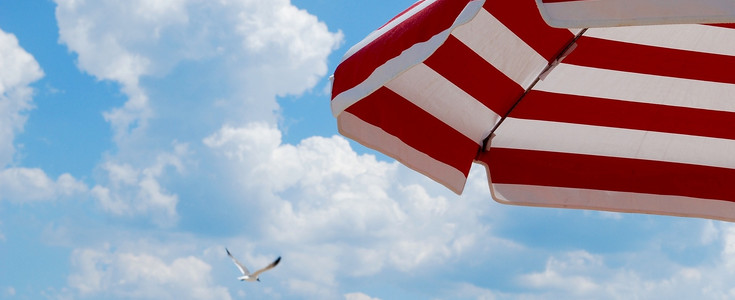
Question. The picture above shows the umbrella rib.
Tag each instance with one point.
(552, 64)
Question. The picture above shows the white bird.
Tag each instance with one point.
(246, 276)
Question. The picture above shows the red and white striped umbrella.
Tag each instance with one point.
(634, 119)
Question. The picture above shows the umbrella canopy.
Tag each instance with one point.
(606, 13)
(634, 119)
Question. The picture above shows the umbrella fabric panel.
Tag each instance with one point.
(419, 24)
(606, 13)
(430, 102)
(622, 125)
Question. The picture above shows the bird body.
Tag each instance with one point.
(246, 275)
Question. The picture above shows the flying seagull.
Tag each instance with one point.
(246, 276)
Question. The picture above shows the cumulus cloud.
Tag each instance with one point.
(18, 69)
(186, 67)
(349, 214)
(260, 48)
(102, 273)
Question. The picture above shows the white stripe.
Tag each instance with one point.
(389, 70)
(497, 44)
(636, 12)
(528, 195)
(614, 142)
(635, 87)
(392, 24)
(441, 98)
(689, 37)
(376, 138)
(414, 55)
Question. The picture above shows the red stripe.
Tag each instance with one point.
(402, 13)
(724, 25)
(546, 106)
(420, 27)
(540, 168)
(636, 58)
(524, 19)
(417, 128)
(470, 72)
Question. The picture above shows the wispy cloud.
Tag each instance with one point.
(103, 272)
(26, 185)
(359, 296)
(133, 191)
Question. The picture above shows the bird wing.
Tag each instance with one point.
(240, 266)
(273, 264)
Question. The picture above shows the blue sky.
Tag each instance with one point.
(138, 139)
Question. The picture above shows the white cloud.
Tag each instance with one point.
(359, 296)
(611, 215)
(101, 273)
(20, 185)
(710, 232)
(259, 48)
(136, 190)
(186, 67)
(554, 276)
(121, 41)
(344, 214)
(294, 41)
(314, 289)
(582, 275)
(18, 69)
(728, 251)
